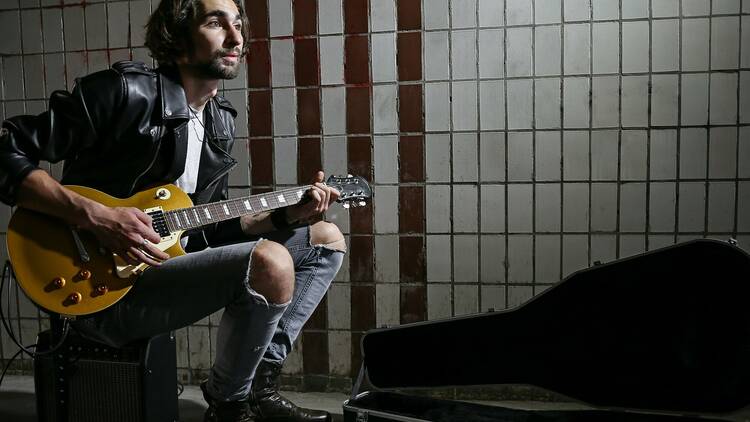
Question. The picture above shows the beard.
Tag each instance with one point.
(214, 68)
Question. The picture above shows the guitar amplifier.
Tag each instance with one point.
(91, 382)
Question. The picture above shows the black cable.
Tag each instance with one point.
(6, 325)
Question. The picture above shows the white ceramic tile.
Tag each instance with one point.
(384, 115)
(387, 304)
(635, 9)
(635, 46)
(633, 207)
(575, 253)
(437, 106)
(14, 108)
(33, 74)
(330, 17)
(118, 55)
(744, 97)
(695, 44)
(435, 55)
(386, 259)
(664, 96)
(577, 10)
(606, 58)
(466, 299)
(464, 105)
(439, 301)
(665, 48)
(634, 101)
(743, 210)
(520, 116)
(492, 208)
(386, 209)
(519, 51)
(139, 14)
(73, 21)
(575, 207)
(632, 244)
(334, 155)
(722, 153)
(240, 82)
(520, 207)
(438, 208)
(199, 341)
(665, 8)
(491, 12)
(548, 206)
(334, 106)
(143, 55)
(605, 9)
(547, 11)
(491, 105)
(435, 14)
(547, 103)
(548, 156)
(285, 160)
(438, 259)
(382, 15)
(384, 57)
(633, 152)
(691, 206)
(662, 207)
(520, 156)
(518, 12)
(492, 156)
(603, 248)
(725, 42)
(284, 111)
(39, 107)
(282, 63)
(331, 60)
(694, 98)
(745, 42)
(693, 153)
(385, 157)
(464, 13)
(464, 157)
(547, 263)
(695, 7)
(13, 4)
(547, 50)
(663, 154)
(576, 155)
(438, 157)
(491, 53)
(340, 353)
(745, 7)
(465, 205)
(719, 7)
(576, 102)
(52, 29)
(576, 48)
(280, 18)
(96, 26)
(518, 295)
(721, 202)
(605, 101)
(464, 54)
(55, 72)
(118, 29)
(31, 30)
(744, 152)
(240, 175)
(492, 260)
(520, 265)
(723, 98)
(603, 207)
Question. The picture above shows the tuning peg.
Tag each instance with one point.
(362, 203)
(346, 205)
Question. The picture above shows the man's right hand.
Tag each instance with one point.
(126, 231)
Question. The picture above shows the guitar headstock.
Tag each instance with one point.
(355, 191)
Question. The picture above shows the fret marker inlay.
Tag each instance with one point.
(247, 205)
(208, 215)
(281, 199)
(264, 202)
(226, 209)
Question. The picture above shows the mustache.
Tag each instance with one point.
(234, 51)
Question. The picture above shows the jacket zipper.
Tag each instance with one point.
(153, 160)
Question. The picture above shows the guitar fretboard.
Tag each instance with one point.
(202, 215)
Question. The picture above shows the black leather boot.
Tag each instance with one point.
(270, 406)
(226, 411)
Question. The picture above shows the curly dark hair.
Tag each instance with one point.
(169, 24)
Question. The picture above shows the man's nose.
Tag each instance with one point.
(234, 37)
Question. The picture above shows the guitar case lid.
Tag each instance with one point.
(666, 330)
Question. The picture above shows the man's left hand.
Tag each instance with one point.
(320, 198)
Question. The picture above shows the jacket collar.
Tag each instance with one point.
(173, 101)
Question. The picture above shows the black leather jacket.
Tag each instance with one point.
(122, 130)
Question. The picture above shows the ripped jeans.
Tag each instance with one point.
(187, 288)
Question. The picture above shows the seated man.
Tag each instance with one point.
(131, 127)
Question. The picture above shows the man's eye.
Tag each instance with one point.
(213, 23)
(238, 26)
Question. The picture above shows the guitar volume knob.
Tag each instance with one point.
(58, 282)
(84, 274)
(102, 289)
(75, 298)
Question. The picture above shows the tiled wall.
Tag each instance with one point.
(509, 142)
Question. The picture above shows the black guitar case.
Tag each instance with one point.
(665, 332)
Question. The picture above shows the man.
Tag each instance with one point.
(130, 127)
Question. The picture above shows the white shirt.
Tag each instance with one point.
(189, 179)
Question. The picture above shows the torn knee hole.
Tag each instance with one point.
(338, 245)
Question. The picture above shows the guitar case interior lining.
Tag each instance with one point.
(664, 331)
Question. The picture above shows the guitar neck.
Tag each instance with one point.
(203, 215)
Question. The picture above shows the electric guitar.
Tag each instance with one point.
(66, 271)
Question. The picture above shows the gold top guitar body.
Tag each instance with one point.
(67, 272)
